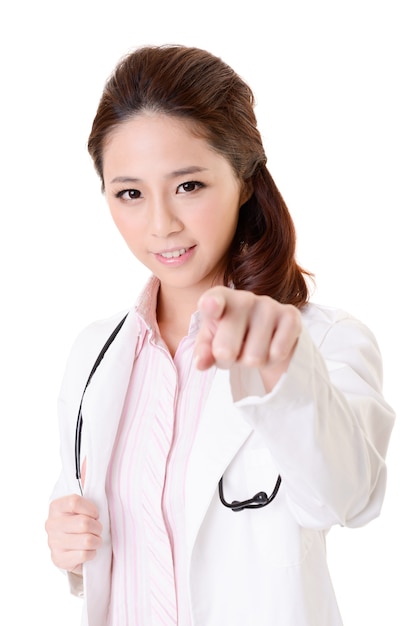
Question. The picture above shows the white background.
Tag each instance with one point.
(337, 105)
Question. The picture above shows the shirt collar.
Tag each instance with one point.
(146, 307)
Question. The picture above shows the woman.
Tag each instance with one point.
(222, 381)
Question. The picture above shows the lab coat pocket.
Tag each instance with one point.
(275, 532)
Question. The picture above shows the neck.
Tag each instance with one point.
(174, 310)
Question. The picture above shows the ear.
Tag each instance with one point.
(246, 191)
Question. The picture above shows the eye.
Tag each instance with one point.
(191, 185)
(129, 194)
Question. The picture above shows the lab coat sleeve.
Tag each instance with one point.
(328, 427)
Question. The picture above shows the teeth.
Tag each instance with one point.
(173, 254)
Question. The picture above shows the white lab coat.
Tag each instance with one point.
(325, 428)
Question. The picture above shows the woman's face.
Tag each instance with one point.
(173, 198)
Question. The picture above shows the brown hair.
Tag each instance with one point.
(195, 85)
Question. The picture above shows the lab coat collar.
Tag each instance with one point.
(103, 404)
(219, 436)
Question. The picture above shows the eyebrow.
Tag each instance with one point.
(193, 169)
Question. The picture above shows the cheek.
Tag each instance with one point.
(229, 216)
(126, 228)
(220, 232)
(118, 220)
(125, 218)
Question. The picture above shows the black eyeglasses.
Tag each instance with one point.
(256, 502)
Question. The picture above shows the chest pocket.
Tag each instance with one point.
(274, 536)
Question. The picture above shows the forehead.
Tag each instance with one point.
(159, 141)
(150, 122)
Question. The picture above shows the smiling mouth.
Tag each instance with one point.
(174, 254)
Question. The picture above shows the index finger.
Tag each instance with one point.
(211, 306)
(212, 303)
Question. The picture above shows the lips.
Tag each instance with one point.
(175, 257)
(174, 254)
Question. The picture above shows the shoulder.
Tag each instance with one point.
(319, 314)
(88, 344)
(321, 320)
(99, 330)
(341, 338)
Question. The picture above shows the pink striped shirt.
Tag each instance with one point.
(164, 394)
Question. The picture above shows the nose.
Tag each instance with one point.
(164, 220)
